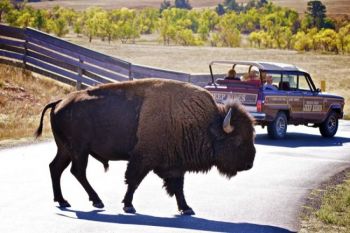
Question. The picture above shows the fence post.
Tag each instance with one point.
(323, 85)
(130, 72)
(80, 74)
(25, 53)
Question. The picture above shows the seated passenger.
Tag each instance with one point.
(252, 75)
(231, 75)
(268, 84)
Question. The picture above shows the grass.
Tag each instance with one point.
(22, 98)
(333, 215)
(334, 69)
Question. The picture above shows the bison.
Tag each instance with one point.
(158, 125)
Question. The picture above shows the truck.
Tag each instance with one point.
(277, 95)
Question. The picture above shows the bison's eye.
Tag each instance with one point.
(238, 141)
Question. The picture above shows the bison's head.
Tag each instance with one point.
(234, 140)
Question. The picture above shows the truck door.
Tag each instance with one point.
(295, 97)
(313, 106)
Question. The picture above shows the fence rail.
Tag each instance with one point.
(72, 64)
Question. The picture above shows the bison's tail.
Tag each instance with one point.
(40, 128)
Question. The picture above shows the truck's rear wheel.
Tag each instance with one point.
(277, 129)
(329, 127)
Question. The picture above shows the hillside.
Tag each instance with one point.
(334, 7)
(22, 98)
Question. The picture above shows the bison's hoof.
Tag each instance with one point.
(187, 212)
(99, 205)
(129, 209)
(64, 204)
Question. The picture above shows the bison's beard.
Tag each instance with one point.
(226, 170)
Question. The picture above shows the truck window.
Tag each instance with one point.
(276, 79)
(303, 84)
(292, 79)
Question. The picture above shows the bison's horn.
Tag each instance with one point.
(228, 128)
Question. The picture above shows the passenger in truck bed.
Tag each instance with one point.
(231, 75)
(253, 75)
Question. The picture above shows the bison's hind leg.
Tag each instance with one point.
(57, 166)
(78, 169)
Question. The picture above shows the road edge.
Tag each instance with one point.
(313, 200)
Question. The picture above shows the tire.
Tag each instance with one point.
(277, 129)
(329, 127)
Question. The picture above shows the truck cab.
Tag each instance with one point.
(277, 94)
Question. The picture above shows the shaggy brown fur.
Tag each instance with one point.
(164, 126)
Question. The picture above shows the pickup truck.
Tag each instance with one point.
(276, 95)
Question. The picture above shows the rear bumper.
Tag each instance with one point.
(258, 115)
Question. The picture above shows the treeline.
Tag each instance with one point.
(264, 24)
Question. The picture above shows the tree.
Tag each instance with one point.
(301, 42)
(255, 39)
(261, 3)
(344, 38)
(220, 10)
(59, 27)
(25, 19)
(90, 28)
(174, 21)
(249, 21)
(185, 37)
(148, 18)
(5, 7)
(228, 35)
(328, 23)
(78, 25)
(282, 37)
(40, 19)
(127, 24)
(232, 5)
(183, 4)
(164, 5)
(327, 39)
(317, 11)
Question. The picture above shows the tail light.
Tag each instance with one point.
(259, 105)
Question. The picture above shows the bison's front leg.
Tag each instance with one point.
(174, 186)
(134, 174)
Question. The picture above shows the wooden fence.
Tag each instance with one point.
(72, 64)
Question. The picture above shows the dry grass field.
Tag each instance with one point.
(334, 69)
(22, 98)
(334, 7)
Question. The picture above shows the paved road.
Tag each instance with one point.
(264, 199)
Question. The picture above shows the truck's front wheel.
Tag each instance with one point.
(329, 127)
(277, 129)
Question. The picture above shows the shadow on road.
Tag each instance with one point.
(181, 222)
(294, 140)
